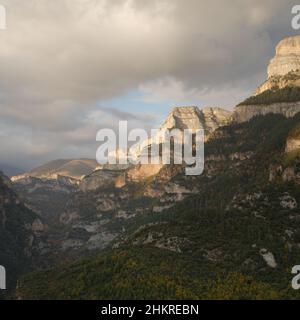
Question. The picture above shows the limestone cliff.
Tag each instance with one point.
(280, 93)
(246, 112)
(209, 118)
(287, 57)
(291, 79)
(100, 178)
(283, 69)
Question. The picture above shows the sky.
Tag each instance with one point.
(71, 67)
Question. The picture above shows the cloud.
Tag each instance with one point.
(175, 92)
(60, 60)
(123, 115)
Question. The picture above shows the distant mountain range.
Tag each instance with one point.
(73, 168)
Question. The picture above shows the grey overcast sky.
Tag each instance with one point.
(71, 67)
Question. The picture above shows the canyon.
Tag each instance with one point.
(239, 217)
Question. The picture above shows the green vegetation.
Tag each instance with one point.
(288, 94)
(217, 261)
(291, 158)
(295, 132)
(13, 234)
(140, 274)
(208, 246)
(292, 75)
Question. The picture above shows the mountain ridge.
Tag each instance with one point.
(162, 234)
(73, 168)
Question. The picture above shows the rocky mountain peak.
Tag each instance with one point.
(191, 117)
(284, 68)
(183, 118)
(287, 57)
(209, 118)
(280, 93)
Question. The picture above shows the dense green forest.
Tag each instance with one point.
(14, 236)
(287, 94)
(209, 246)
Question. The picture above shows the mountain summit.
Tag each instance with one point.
(190, 117)
(284, 68)
(209, 118)
(287, 57)
(280, 93)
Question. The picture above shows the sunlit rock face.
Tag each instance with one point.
(192, 118)
(245, 113)
(183, 118)
(284, 68)
(292, 144)
(209, 118)
(287, 57)
(293, 140)
(283, 73)
(180, 118)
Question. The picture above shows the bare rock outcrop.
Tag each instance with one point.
(99, 178)
(209, 118)
(284, 68)
(143, 171)
(283, 72)
(244, 113)
(291, 79)
(287, 57)
(292, 144)
(192, 118)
